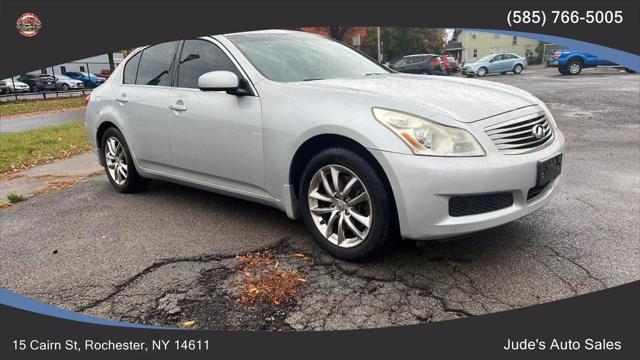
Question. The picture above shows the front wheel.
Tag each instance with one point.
(118, 163)
(574, 68)
(482, 72)
(517, 69)
(346, 205)
(65, 87)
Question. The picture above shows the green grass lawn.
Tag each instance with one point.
(31, 106)
(26, 149)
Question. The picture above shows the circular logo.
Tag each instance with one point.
(537, 131)
(28, 24)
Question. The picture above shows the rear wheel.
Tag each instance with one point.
(346, 205)
(517, 69)
(118, 163)
(482, 71)
(562, 70)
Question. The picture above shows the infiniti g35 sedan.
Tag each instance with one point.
(314, 128)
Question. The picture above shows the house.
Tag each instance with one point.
(467, 45)
(94, 65)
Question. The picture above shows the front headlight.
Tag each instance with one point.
(425, 137)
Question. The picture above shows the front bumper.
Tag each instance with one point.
(422, 187)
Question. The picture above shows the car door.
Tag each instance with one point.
(215, 137)
(496, 64)
(142, 104)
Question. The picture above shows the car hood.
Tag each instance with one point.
(464, 100)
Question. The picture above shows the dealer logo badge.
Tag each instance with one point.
(28, 24)
(537, 131)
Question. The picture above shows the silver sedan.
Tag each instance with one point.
(362, 154)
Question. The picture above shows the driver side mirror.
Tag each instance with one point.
(221, 81)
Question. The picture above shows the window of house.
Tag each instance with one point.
(199, 57)
(515, 40)
(475, 53)
(474, 34)
(63, 69)
(131, 69)
(155, 64)
(81, 68)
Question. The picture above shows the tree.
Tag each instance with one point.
(401, 41)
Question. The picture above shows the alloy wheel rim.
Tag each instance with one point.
(518, 69)
(116, 160)
(481, 72)
(574, 68)
(340, 206)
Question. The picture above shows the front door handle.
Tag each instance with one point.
(178, 107)
(122, 98)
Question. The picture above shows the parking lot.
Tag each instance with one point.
(168, 255)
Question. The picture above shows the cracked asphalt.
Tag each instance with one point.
(168, 255)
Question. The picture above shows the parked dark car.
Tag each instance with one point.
(430, 64)
(89, 80)
(38, 82)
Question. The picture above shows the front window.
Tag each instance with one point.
(294, 57)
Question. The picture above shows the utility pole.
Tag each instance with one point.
(379, 53)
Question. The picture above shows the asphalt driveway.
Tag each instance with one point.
(167, 255)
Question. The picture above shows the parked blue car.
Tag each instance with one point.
(571, 62)
(89, 80)
(495, 63)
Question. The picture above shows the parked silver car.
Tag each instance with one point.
(314, 128)
(65, 83)
(10, 85)
(495, 63)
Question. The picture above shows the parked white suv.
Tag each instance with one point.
(316, 129)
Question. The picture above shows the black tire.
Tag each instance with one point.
(133, 182)
(574, 67)
(629, 71)
(65, 87)
(481, 73)
(382, 229)
(504, 73)
(517, 69)
(562, 70)
(34, 88)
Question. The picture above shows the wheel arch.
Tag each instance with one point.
(317, 143)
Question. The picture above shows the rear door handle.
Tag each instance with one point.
(178, 107)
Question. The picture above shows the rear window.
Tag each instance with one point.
(131, 69)
(155, 64)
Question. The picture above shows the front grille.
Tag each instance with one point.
(517, 136)
(478, 204)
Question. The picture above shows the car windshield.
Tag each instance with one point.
(487, 58)
(289, 57)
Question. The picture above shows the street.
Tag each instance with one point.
(168, 255)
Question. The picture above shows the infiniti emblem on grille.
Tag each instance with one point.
(537, 131)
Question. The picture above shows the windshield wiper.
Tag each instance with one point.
(370, 74)
(312, 79)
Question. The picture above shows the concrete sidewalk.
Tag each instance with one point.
(47, 177)
(48, 119)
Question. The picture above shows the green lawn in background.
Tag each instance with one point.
(25, 149)
(31, 106)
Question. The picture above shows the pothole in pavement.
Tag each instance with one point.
(221, 293)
